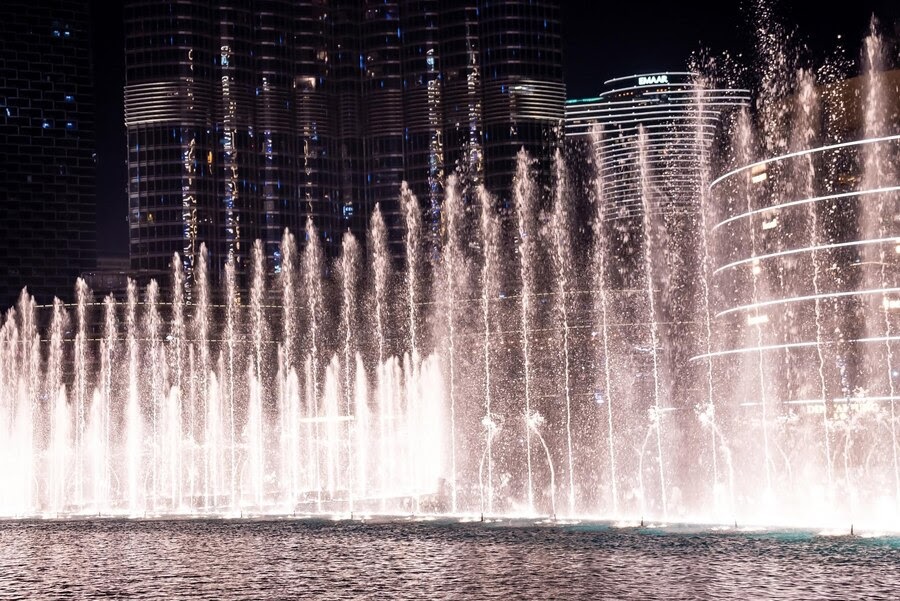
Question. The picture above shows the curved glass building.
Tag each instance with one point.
(668, 107)
(248, 116)
(806, 253)
(229, 139)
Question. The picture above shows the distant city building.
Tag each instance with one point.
(808, 308)
(110, 276)
(228, 135)
(47, 146)
(666, 105)
(679, 119)
(670, 107)
(248, 117)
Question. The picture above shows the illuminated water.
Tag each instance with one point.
(504, 368)
(321, 559)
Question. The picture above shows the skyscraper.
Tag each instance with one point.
(669, 108)
(523, 89)
(228, 128)
(247, 116)
(47, 198)
(455, 86)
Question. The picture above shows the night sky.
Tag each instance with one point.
(601, 40)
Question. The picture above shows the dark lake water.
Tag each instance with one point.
(398, 559)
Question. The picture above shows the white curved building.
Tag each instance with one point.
(669, 106)
(806, 258)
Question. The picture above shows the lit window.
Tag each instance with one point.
(755, 320)
(758, 173)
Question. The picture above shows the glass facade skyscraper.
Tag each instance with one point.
(229, 134)
(246, 116)
(47, 146)
(669, 108)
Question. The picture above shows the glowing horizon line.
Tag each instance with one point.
(801, 153)
(797, 299)
(791, 251)
(805, 201)
(775, 347)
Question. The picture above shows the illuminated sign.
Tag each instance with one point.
(652, 79)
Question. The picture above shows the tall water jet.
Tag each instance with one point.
(744, 153)
(601, 312)
(876, 170)
(231, 300)
(212, 438)
(362, 424)
(29, 386)
(644, 166)
(133, 420)
(11, 411)
(703, 174)
(201, 341)
(490, 291)
(59, 418)
(562, 263)
(289, 411)
(81, 386)
(349, 273)
(175, 425)
(291, 433)
(331, 397)
(413, 218)
(258, 332)
(102, 483)
(313, 266)
(189, 440)
(805, 137)
(288, 277)
(523, 197)
(380, 268)
(157, 389)
(387, 384)
(411, 424)
(452, 264)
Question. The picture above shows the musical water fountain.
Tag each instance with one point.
(504, 374)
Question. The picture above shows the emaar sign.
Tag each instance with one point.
(652, 79)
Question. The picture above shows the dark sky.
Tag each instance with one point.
(109, 73)
(605, 39)
(602, 39)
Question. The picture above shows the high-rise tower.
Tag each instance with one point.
(229, 133)
(47, 146)
(668, 108)
(248, 116)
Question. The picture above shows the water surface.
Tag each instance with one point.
(399, 559)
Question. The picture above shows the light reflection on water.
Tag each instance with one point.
(325, 559)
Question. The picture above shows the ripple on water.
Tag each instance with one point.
(435, 559)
